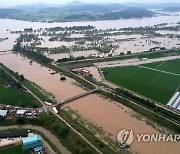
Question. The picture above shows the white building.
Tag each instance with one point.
(3, 113)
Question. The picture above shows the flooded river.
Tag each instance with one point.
(135, 46)
(113, 117)
(41, 76)
(109, 115)
(106, 24)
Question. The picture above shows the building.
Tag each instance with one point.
(85, 72)
(13, 135)
(174, 102)
(31, 142)
(3, 113)
(20, 113)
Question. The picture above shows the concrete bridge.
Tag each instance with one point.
(76, 97)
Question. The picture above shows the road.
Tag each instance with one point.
(107, 90)
(133, 62)
(61, 118)
(160, 105)
(83, 137)
(107, 58)
(114, 86)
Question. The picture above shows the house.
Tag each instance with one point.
(85, 72)
(31, 142)
(20, 113)
(13, 135)
(3, 113)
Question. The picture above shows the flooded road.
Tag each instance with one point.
(46, 133)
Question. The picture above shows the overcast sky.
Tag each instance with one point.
(20, 2)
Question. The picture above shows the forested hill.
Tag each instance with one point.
(172, 9)
(74, 12)
(128, 13)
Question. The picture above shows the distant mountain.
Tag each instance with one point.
(128, 13)
(171, 9)
(74, 11)
(75, 3)
(80, 17)
(88, 8)
(152, 5)
(36, 6)
(9, 13)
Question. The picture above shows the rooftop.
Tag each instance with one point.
(3, 113)
(21, 112)
(31, 140)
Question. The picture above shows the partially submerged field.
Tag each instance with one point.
(157, 81)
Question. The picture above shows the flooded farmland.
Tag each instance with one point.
(140, 43)
(92, 107)
(121, 23)
(109, 115)
(74, 54)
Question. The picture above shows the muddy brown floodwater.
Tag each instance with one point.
(41, 76)
(110, 116)
(113, 117)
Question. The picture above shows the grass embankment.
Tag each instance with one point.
(154, 84)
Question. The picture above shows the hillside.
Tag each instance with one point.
(74, 12)
(128, 13)
(172, 9)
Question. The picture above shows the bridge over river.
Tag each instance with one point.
(75, 97)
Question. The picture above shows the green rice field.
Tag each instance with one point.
(157, 81)
(12, 96)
